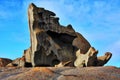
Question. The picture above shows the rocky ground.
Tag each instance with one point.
(52, 43)
(63, 73)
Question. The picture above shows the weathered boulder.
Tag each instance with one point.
(51, 42)
(91, 59)
(88, 59)
(17, 62)
(24, 61)
(56, 45)
(4, 62)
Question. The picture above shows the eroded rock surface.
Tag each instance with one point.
(104, 59)
(91, 59)
(53, 44)
(62, 73)
(17, 62)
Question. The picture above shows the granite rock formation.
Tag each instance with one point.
(62, 73)
(4, 62)
(53, 44)
(24, 61)
(91, 59)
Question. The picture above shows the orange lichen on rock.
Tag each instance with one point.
(23, 58)
(42, 69)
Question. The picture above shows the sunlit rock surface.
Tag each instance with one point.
(63, 73)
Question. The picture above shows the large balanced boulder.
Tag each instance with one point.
(51, 42)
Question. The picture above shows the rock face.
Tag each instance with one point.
(104, 59)
(63, 73)
(4, 62)
(17, 62)
(53, 44)
(91, 59)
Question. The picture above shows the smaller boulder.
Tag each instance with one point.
(91, 59)
(19, 62)
(88, 59)
(4, 62)
(104, 59)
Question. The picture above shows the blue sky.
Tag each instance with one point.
(97, 20)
